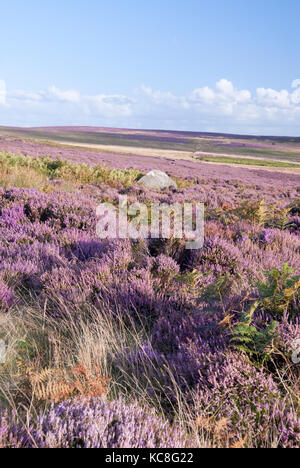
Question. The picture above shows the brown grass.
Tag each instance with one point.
(49, 362)
(23, 177)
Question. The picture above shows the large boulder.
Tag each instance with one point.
(157, 180)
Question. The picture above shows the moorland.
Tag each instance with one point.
(121, 343)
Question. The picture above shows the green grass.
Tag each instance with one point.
(268, 153)
(28, 172)
(247, 162)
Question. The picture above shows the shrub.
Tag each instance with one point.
(258, 344)
(281, 292)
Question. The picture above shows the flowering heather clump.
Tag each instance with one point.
(6, 297)
(184, 306)
(93, 423)
(251, 402)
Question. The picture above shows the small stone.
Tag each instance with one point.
(56, 182)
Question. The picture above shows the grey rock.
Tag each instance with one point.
(157, 180)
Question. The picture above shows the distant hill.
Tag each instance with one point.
(269, 147)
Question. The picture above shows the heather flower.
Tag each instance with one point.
(251, 401)
(94, 423)
(7, 298)
(165, 269)
(266, 236)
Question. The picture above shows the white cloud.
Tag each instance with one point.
(228, 92)
(51, 94)
(225, 97)
(56, 94)
(162, 98)
(2, 92)
(222, 107)
(225, 87)
(272, 98)
(295, 97)
(108, 105)
(296, 83)
(204, 94)
(23, 96)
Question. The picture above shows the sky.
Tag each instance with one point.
(219, 65)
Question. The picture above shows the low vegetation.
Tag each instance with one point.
(248, 162)
(28, 172)
(119, 343)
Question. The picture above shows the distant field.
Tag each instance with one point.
(248, 162)
(281, 149)
(282, 153)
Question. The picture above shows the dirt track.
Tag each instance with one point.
(184, 156)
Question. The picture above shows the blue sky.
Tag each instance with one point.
(176, 64)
